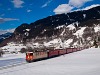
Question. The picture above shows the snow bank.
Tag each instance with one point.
(71, 26)
(53, 42)
(97, 28)
(80, 32)
(67, 43)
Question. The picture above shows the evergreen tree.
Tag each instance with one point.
(95, 44)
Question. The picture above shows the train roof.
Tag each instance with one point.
(29, 52)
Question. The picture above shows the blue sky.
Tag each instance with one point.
(15, 12)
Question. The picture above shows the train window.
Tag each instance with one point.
(39, 53)
(36, 53)
(31, 54)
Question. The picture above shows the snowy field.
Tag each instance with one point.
(86, 62)
(11, 59)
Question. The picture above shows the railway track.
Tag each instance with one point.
(13, 65)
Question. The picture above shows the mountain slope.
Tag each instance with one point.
(5, 36)
(49, 23)
(80, 27)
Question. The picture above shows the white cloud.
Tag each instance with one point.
(5, 31)
(7, 19)
(29, 10)
(17, 3)
(10, 30)
(46, 4)
(63, 8)
(78, 3)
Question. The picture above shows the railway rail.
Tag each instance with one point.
(13, 65)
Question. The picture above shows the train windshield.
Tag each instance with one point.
(30, 54)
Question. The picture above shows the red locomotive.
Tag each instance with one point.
(33, 56)
(38, 55)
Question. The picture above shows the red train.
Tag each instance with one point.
(39, 55)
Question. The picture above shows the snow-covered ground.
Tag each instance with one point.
(11, 59)
(80, 32)
(12, 47)
(86, 62)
